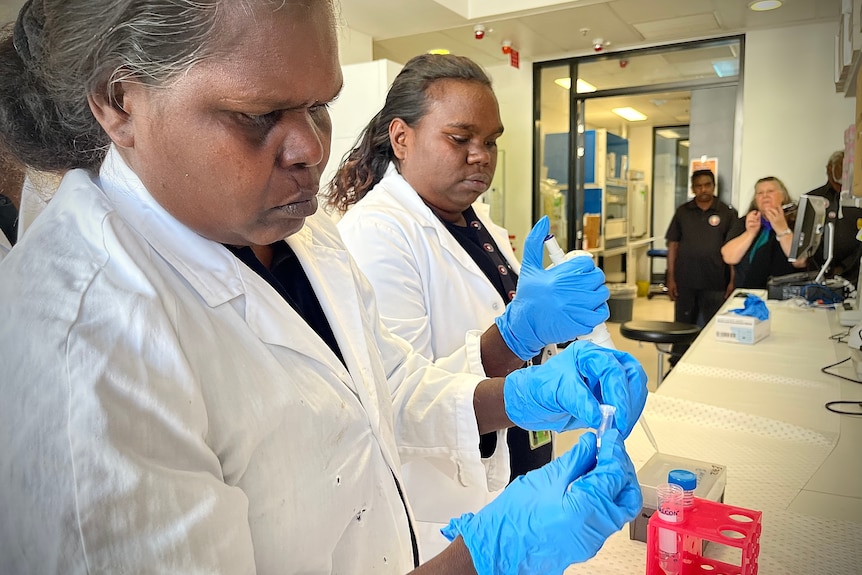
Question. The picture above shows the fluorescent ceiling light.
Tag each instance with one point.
(669, 134)
(684, 143)
(584, 86)
(764, 5)
(581, 85)
(725, 68)
(441, 51)
(629, 114)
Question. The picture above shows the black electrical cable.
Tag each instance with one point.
(823, 369)
(841, 336)
(830, 404)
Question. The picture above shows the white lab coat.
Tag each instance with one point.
(5, 245)
(431, 293)
(164, 410)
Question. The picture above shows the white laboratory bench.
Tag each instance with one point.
(759, 410)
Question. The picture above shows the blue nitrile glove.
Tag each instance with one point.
(564, 393)
(754, 307)
(554, 516)
(555, 305)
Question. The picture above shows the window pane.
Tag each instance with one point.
(716, 61)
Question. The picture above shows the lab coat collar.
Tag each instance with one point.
(207, 265)
(212, 270)
(402, 192)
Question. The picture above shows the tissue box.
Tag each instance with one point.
(740, 328)
(711, 481)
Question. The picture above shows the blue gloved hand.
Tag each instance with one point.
(554, 516)
(564, 393)
(555, 305)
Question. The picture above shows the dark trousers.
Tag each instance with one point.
(695, 306)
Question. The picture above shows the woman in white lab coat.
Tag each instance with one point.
(196, 379)
(439, 266)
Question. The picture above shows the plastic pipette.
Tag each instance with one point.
(649, 434)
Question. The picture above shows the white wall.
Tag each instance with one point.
(793, 119)
(354, 47)
(514, 90)
(363, 95)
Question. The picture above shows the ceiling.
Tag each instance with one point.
(543, 30)
(549, 29)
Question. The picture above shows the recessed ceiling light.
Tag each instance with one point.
(725, 68)
(764, 5)
(582, 86)
(442, 51)
(629, 114)
(668, 133)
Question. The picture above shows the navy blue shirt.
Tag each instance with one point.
(288, 278)
(481, 247)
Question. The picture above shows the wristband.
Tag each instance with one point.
(786, 232)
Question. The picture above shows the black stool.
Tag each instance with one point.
(656, 288)
(663, 334)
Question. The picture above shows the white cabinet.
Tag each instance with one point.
(364, 93)
(848, 47)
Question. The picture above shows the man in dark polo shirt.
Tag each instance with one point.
(846, 249)
(698, 281)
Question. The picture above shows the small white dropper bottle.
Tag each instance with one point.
(600, 334)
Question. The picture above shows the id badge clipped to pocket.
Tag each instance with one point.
(539, 438)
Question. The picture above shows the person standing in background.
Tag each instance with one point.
(759, 242)
(846, 249)
(698, 280)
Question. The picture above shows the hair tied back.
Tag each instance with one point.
(28, 27)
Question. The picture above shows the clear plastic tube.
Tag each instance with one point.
(669, 506)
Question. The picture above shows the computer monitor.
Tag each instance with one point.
(810, 224)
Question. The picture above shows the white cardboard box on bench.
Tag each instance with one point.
(737, 328)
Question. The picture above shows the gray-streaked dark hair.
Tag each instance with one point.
(62, 51)
(364, 166)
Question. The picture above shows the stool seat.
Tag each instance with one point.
(662, 334)
(660, 331)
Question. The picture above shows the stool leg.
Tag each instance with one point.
(663, 349)
(660, 375)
